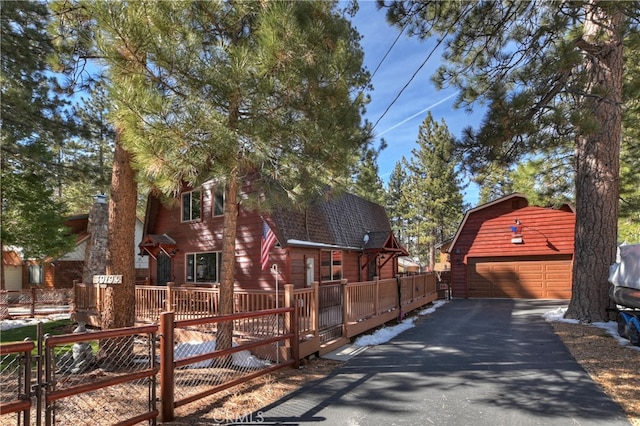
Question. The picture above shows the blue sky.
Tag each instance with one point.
(399, 125)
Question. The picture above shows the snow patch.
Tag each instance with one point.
(243, 359)
(385, 334)
(611, 327)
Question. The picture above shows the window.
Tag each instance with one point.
(203, 267)
(190, 206)
(218, 201)
(331, 265)
(35, 274)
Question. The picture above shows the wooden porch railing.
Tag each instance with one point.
(353, 307)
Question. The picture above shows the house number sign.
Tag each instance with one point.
(107, 279)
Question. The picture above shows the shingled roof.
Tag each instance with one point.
(341, 221)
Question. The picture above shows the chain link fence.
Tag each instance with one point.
(111, 377)
(104, 377)
(15, 380)
(216, 353)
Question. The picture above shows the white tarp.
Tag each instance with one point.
(626, 272)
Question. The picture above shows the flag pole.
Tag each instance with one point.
(274, 270)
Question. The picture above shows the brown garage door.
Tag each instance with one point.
(524, 277)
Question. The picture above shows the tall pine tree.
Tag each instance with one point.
(433, 189)
(550, 72)
(35, 123)
(216, 90)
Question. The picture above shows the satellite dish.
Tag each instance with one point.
(366, 238)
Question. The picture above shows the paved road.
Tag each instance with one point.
(472, 362)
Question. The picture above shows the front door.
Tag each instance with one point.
(163, 269)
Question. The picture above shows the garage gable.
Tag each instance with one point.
(510, 249)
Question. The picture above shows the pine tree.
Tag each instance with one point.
(367, 183)
(550, 73)
(433, 189)
(396, 203)
(34, 123)
(219, 90)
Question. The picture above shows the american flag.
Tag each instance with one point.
(268, 240)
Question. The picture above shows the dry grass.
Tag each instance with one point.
(239, 401)
(615, 368)
(612, 366)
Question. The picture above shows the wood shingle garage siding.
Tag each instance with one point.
(488, 259)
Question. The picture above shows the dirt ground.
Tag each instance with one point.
(612, 366)
(615, 368)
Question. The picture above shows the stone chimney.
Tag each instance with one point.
(95, 255)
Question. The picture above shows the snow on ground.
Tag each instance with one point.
(22, 322)
(385, 334)
(611, 327)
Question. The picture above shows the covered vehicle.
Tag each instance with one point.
(625, 291)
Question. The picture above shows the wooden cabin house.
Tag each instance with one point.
(508, 249)
(339, 237)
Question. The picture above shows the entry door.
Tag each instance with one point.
(163, 269)
(311, 276)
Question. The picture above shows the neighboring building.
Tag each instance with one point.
(406, 265)
(62, 271)
(339, 237)
(508, 249)
(12, 269)
(444, 263)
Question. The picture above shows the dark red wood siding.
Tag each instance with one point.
(205, 235)
(487, 233)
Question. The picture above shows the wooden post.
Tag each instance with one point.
(32, 310)
(166, 367)
(345, 306)
(315, 308)
(376, 297)
(291, 324)
(170, 295)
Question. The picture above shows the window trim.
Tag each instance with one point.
(194, 280)
(191, 199)
(40, 268)
(336, 272)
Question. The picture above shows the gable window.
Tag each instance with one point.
(218, 201)
(191, 206)
(331, 268)
(203, 267)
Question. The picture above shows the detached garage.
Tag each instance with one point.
(508, 249)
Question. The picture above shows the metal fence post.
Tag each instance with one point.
(166, 367)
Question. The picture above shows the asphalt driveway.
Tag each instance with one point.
(472, 362)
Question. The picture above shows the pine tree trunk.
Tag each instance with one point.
(120, 305)
(225, 330)
(597, 173)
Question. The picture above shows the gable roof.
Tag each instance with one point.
(11, 258)
(340, 221)
(481, 207)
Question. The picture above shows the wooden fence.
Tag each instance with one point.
(35, 301)
(328, 315)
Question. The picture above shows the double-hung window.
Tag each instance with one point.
(191, 206)
(203, 267)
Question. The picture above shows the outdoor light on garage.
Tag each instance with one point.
(516, 233)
